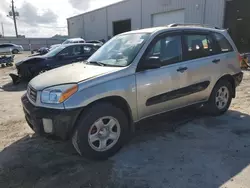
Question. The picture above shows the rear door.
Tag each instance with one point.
(203, 64)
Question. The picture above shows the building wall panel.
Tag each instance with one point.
(193, 9)
(76, 27)
(215, 10)
(98, 24)
(95, 25)
(122, 11)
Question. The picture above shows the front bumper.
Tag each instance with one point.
(62, 120)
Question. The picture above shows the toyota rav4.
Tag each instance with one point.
(135, 75)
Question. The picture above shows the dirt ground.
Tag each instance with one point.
(175, 150)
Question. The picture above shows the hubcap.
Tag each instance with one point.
(222, 97)
(104, 133)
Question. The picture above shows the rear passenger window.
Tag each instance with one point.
(198, 46)
(224, 45)
(87, 49)
(77, 50)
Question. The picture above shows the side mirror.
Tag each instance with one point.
(152, 62)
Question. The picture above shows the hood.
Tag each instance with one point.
(72, 73)
(30, 58)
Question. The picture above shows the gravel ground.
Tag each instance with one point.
(175, 150)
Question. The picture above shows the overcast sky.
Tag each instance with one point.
(44, 18)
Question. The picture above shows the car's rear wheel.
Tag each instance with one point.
(15, 51)
(220, 98)
(101, 132)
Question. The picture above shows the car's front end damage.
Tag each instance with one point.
(26, 70)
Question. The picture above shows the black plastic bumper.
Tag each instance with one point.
(238, 78)
(63, 120)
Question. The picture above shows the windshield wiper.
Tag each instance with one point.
(96, 63)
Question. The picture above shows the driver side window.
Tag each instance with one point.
(168, 49)
(66, 52)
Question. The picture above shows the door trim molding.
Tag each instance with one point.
(195, 88)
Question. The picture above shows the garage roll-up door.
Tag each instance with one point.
(168, 18)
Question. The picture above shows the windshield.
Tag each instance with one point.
(54, 51)
(120, 50)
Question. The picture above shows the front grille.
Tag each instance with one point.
(32, 93)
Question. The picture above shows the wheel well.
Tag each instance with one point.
(15, 50)
(118, 102)
(231, 80)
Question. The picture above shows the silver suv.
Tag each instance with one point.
(133, 76)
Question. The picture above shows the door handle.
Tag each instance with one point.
(216, 61)
(182, 69)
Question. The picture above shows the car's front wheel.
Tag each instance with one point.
(15, 51)
(220, 98)
(101, 131)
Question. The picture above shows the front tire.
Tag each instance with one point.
(220, 99)
(15, 51)
(101, 132)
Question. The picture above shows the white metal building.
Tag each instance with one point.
(127, 15)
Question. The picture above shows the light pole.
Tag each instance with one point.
(13, 14)
(2, 29)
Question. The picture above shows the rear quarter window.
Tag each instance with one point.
(223, 43)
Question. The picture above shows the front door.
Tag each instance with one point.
(159, 90)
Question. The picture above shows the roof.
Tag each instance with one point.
(86, 44)
(175, 27)
(148, 30)
(75, 39)
(119, 2)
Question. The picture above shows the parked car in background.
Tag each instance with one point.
(68, 41)
(43, 50)
(133, 76)
(95, 42)
(62, 55)
(40, 51)
(10, 48)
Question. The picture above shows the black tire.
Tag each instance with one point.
(87, 119)
(211, 107)
(15, 51)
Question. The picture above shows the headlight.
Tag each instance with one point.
(58, 94)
